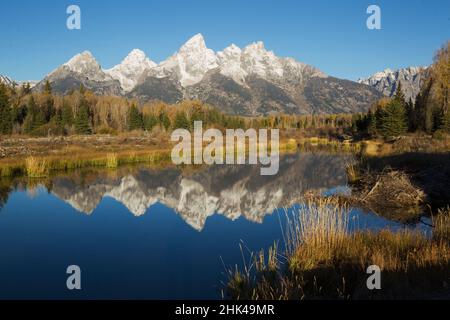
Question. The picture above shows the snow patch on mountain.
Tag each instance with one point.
(257, 60)
(6, 80)
(231, 64)
(387, 81)
(131, 69)
(192, 61)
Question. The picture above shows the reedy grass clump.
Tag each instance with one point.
(36, 167)
(323, 259)
(112, 160)
(43, 166)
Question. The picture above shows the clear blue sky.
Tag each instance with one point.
(328, 34)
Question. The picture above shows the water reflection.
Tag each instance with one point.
(184, 222)
(228, 190)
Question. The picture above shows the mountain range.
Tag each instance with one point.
(251, 81)
(388, 80)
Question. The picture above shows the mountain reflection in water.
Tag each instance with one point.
(229, 190)
(191, 221)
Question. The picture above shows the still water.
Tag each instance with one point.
(152, 233)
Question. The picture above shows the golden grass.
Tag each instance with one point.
(112, 160)
(352, 171)
(36, 167)
(42, 166)
(324, 260)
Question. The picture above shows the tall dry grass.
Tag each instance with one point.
(36, 167)
(112, 161)
(323, 259)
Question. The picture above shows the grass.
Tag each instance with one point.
(324, 260)
(112, 160)
(353, 173)
(42, 166)
(36, 167)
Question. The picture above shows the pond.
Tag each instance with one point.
(143, 233)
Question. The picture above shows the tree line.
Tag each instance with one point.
(82, 112)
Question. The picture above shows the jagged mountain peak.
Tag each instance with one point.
(264, 63)
(197, 41)
(192, 61)
(81, 61)
(6, 80)
(129, 71)
(387, 81)
(230, 63)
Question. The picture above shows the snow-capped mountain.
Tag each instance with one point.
(248, 81)
(387, 81)
(190, 64)
(6, 80)
(131, 69)
(83, 69)
(10, 82)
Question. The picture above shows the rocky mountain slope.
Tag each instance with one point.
(387, 81)
(6, 80)
(249, 81)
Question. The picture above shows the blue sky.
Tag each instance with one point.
(328, 34)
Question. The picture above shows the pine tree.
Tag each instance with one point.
(35, 117)
(26, 88)
(422, 108)
(66, 115)
(164, 120)
(446, 122)
(149, 122)
(5, 111)
(399, 95)
(31, 113)
(410, 115)
(371, 124)
(135, 121)
(393, 119)
(181, 121)
(47, 88)
(82, 122)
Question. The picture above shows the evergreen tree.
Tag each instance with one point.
(410, 115)
(47, 88)
(31, 113)
(135, 121)
(372, 124)
(422, 109)
(66, 115)
(164, 120)
(446, 122)
(149, 122)
(5, 111)
(393, 119)
(26, 88)
(181, 121)
(399, 95)
(35, 117)
(82, 121)
(49, 108)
